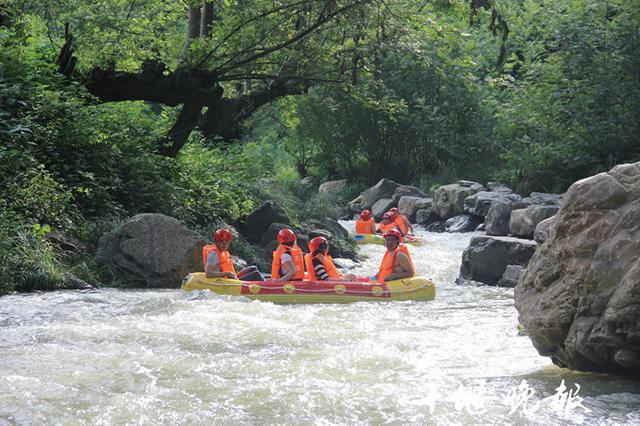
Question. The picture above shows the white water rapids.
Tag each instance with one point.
(172, 357)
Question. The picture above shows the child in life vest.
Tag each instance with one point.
(366, 224)
(386, 225)
(320, 265)
(288, 263)
(217, 260)
(401, 221)
(396, 262)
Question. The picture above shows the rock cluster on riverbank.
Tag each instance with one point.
(467, 206)
(579, 299)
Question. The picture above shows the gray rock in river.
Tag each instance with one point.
(152, 250)
(462, 223)
(523, 222)
(499, 216)
(380, 207)
(409, 206)
(487, 257)
(448, 200)
(480, 203)
(255, 224)
(407, 191)
(579, 300)
(385, 188)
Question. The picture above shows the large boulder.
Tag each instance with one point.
(332, 186)
(430, 220)
(330, 225)
(523, 222)
(152, 250)
(579, 300)
(409, 206)
(407, 191)
(255, 224)
(462, 223)
(487, 257)
(480, 203)
(380, 207)
(499, 216)
(448, 200)
(271, 234)
(385, 188)
(354, 207)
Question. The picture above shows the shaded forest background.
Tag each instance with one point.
(200, 110)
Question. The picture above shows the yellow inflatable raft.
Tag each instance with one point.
(377, 239)
(416, 288)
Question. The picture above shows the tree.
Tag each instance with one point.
(236, 55)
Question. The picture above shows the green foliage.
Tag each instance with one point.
(574, 109)
(28, 262)
(212, 183)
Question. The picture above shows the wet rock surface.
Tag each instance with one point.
(487, 257)
(152, 250)
(579, 299)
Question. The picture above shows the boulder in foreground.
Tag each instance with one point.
(152, 250)
(579, 299)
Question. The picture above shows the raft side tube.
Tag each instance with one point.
(416, 288)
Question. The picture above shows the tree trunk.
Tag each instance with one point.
(193, 29)
(179, 133)
(206, 19)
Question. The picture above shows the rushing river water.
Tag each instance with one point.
(174, 357)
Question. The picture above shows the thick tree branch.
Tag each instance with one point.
(224, 120)
(151, 84)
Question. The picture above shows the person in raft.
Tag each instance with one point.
(365, 224)
(386, 225)
(401, 221)
(288, 263)
(396, 263)
(320, 265)
(217, 260)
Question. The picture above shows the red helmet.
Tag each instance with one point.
(286, 236)
(223, 235)
(365, 215)
(393, 233)
(387, 216)
(316, 242)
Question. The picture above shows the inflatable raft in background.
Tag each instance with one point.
(416, 288)
(378, 239)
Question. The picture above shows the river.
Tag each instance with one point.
(172, 357)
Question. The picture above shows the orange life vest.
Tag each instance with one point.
(366, 226)
(226, 265)
(389, 261)
(328, 266)
(402, 223)
(389, 226)
(296, 258)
